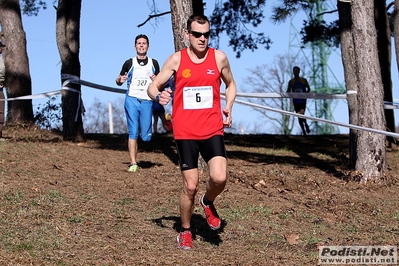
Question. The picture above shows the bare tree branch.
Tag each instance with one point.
(153, 16)
(327, 12)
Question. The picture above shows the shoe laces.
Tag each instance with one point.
(185, 239)
(210, 211)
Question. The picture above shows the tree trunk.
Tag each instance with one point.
(198, 7)
(181, 10)
(348, 61)
(396, 31)
(18, 79)
(371, 151)
(68, 42)
(384, 49)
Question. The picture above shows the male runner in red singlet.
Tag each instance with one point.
(198, 124)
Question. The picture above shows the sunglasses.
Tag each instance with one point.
(197, 34)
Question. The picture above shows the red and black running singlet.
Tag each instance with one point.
(196, 107)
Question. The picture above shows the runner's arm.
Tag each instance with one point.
(231, 88)
(168, 69)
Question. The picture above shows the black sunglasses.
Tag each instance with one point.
(197, 34)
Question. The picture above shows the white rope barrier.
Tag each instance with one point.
(317, 119)
(299, 95)
(76, 80)
(35, 96)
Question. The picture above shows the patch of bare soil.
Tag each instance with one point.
(64, 203)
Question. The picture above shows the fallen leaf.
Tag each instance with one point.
(262, 182)
(319, 244)
(292, 239)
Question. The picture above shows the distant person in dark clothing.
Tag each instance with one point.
(2, 81)
(299, 84)
(158, 111)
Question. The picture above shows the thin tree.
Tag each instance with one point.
(18, 79)
(384, 55)
(363, 79)
(371, 150)
(348, 53)
(68, 42)
(396, 30)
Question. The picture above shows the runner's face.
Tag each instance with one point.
(199, 43)
(141, 46)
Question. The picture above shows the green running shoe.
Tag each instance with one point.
(133, 167)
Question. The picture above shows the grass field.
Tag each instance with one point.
(64, 203)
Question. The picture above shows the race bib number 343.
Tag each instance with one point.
(197, 97)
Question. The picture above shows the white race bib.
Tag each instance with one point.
(197, 97)
(140, 83)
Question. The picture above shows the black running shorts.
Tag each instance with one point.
(189, 150)
(299, 106)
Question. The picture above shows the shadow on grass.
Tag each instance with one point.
(199, 227)
(163, 144)
(334, 146)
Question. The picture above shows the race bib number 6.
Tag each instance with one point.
(197, 97)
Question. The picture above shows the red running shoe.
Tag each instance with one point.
(185, 240)
(212, 216)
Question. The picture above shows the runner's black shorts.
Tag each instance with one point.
(299, 106)
(189, 150)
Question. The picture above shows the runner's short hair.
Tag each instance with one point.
(201, 19)
(141, 36)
